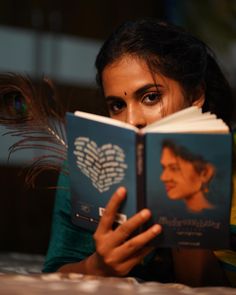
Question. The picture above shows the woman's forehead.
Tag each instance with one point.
(129, 70)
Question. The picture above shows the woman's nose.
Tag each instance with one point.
(135, 116)
(164, 175)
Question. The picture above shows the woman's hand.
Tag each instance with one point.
(116, 251)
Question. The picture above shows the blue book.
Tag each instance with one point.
(178, 167)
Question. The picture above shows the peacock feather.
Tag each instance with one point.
(31, 112)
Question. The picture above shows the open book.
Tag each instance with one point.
(179, 167)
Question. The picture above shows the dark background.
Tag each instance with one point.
(25, 214)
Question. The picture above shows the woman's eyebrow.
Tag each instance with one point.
(111, 98)
(140, 91)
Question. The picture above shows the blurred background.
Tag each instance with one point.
(60, 39)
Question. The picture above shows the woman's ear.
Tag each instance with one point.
(199, 97)
(200, 101)
(208, 173)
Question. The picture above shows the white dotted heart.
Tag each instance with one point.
(104, 165)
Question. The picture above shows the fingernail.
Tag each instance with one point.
(121, 191)
(145, 213)
(156, 229)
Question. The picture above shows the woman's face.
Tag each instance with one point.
(136, 96)
(179, 176)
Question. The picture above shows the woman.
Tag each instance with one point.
(146, 70)
(186, 176)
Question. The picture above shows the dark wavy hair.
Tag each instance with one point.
(198, 162)
(175, 53)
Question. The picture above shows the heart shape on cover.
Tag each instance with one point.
(104, 166)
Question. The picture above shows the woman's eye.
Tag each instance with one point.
(151, 98)
(115, 106)
(175, 168)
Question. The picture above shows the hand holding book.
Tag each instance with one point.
(118, 251)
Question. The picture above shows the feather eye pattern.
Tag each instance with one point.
(32, 112)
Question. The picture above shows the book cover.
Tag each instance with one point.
(101, 157)
(169, 170)
(190, 188)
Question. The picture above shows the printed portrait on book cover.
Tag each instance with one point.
(186, 176)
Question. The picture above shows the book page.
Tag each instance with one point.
(191, 119)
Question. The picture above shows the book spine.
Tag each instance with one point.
(140, 168)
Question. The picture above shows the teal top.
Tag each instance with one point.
(70, 243)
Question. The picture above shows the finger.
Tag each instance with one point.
(128, 264)
(137, 243)
(124, 230)
(112, 207)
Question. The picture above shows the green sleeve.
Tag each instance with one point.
(68, 243)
